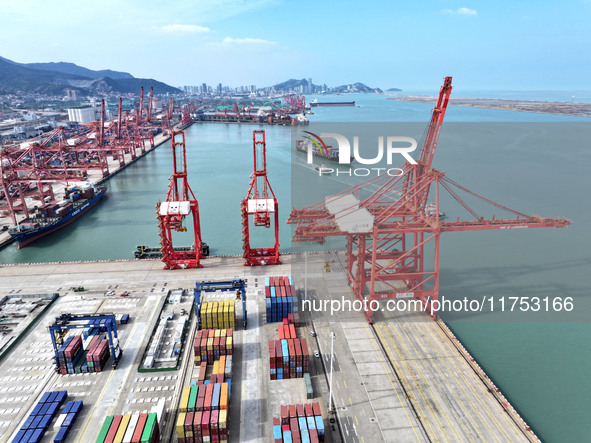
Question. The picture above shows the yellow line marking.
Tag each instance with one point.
(350, 402)
(345, 381)
(356, 421)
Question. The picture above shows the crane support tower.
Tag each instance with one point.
(236, 285)
(386, 260)
(64, 322)
(180, 202)
(261, 204)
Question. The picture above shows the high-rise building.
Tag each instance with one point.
(219, 88)
(204, 88)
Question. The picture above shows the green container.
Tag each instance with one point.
(149, 428)
(193, 398)
(105, 429)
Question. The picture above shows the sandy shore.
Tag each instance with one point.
(579, 109)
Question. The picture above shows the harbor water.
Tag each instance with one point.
(541, 366)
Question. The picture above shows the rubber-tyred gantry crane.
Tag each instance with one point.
(388, 231)
(261, 203)
(180, 202)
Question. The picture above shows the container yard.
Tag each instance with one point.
(369, 400)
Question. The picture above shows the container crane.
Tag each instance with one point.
(180, 202)
(261, 203)
(386, 259)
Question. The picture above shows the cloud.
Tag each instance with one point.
(460, 11)
(186, 28)
(247, 41)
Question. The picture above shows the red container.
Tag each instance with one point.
(316, 408)
(293, 424)
(292, 331)
(189, 422)
(139, 429)
(200, 403)
(113, 429)
(300, 409)
(284, 414)
(308, 410)
(276, 421)
(292, 411)
(205, 423)
(267, 292)
(197, 417)
(313, 435)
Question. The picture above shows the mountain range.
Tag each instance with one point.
(55, 78)
(293, 84)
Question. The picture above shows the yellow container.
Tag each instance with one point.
(185, 398)
(223, 418)
(121, 429)
(180, 425)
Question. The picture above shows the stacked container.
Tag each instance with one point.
(130, 428)
(281, 300)
(38, 421)
(66, 420)
(203, 413)
(288, 356)
(97, 355)
(78, 355)
(301, 423)
(219, 314)
(211, 344)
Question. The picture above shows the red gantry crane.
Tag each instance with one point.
(261, 203)
(388, 231)
(180, 202)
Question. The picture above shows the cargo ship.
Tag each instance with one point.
(316, 103)
(52, 216)
(330, 153)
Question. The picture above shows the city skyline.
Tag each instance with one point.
(501, 46)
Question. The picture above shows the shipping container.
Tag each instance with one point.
(113, 429)
(122, 429)
(104, 429)
(139, 429)
(133, 421)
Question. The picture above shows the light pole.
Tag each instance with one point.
(306, 275)
(332, 337)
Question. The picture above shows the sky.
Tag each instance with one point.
(502, 45)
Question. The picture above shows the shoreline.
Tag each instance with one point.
(543, 107)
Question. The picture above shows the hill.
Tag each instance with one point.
(43, 78)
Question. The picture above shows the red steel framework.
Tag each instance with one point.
(260, 202)
(387, 260)
(180, 202)
(29, 170)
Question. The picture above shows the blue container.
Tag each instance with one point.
(68, 407)
(319, 424)
(311, 423)
(19, 437)
(28, 435)
(45, 397)
(35, 423)
(302, 423)
(267, 284)
(37, 409)
(52, 397)
(215, 402)
(77, 406)
(27, 424)
(45, 422)
(37, 436)
(69, 420)
(277, 430)
(273, 371)
(61, 435)
(305, 437)
(287, 437)
(53, 408)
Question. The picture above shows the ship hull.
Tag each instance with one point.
(28, 237)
